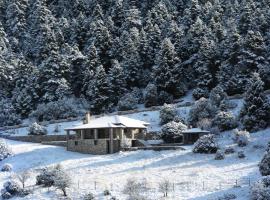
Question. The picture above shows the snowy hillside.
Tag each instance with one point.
(195, 176)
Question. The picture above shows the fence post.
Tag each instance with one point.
(111, 187)
(249, 182)
(78, 184)
(236, 183)
(95, 185)
(219, 185)
(203, 185)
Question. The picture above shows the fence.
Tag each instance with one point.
(150, 189)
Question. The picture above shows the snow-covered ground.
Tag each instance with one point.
(195, 176)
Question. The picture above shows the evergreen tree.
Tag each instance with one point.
(255, 113)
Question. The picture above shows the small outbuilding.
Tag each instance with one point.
(190, 136)
(105, 135)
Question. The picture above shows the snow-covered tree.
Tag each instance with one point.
(255, 113)
(167, 113)
(5, 150)
(36, 129)
(150, 95)
(206, 144)
(261, 189)
(172, 132)
(225, 121)
(241, 137)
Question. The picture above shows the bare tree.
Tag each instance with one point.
(62, 180)
(23, 177)
(165, 187)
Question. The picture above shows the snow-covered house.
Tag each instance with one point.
(105, 135)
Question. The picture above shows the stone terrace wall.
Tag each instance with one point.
(36, 138)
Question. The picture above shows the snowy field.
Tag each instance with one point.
(195, 176)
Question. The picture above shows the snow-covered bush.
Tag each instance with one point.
(227, 196)
(128, 102)
(89, 196)
(229, 150)
(241, 154)
(172, 132)
(219, 155)
(204, 124)
(46, 177)
(165, 187)
(206, 144)
(241, 137)
(225, 121)
(150, 95)
(61, 109)
(11, 189)
(200, 93)
(6, 167)
(167, 114)
(36, 129)
(106, 192)
(202, 109)
(5, 150)
(261, 189)
(164, 97)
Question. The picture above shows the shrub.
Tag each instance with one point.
(227, 197)
(6, 167)
(225, 121)
(54, 176)
(204, 124)
(11, 189)
(200, 93)
(241, 154)
(127, 102)
(89, 196)
(261, 189)
(167, 114)
(241, 137)
(165, 97)
(206, 144)
(264, 165)
(219, 155)
(36, 129)
(5, 150)
(172, 132)
(150, 95)
(46, 177)
(202, 109)
(106, 193)
(229, 150)
(61, 109)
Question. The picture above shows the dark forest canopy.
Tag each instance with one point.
(108, 50)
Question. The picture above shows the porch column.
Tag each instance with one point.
(111, 140)
(82, 134)
(121, 134)
(67, 138)
(95, 134)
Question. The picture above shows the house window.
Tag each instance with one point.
(76, 143)
(95, 142)
(103, 133)
(89, 134)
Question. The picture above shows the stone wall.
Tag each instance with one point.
(99, 147)
(36, 138)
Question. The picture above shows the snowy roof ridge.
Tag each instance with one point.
(114, 121)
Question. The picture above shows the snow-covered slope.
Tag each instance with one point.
(195, 176)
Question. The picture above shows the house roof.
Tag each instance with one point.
(115, 121)
(195, 131)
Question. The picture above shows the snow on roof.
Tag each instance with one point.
(195, 130)
(114, 121)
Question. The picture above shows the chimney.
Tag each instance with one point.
(87, 118)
